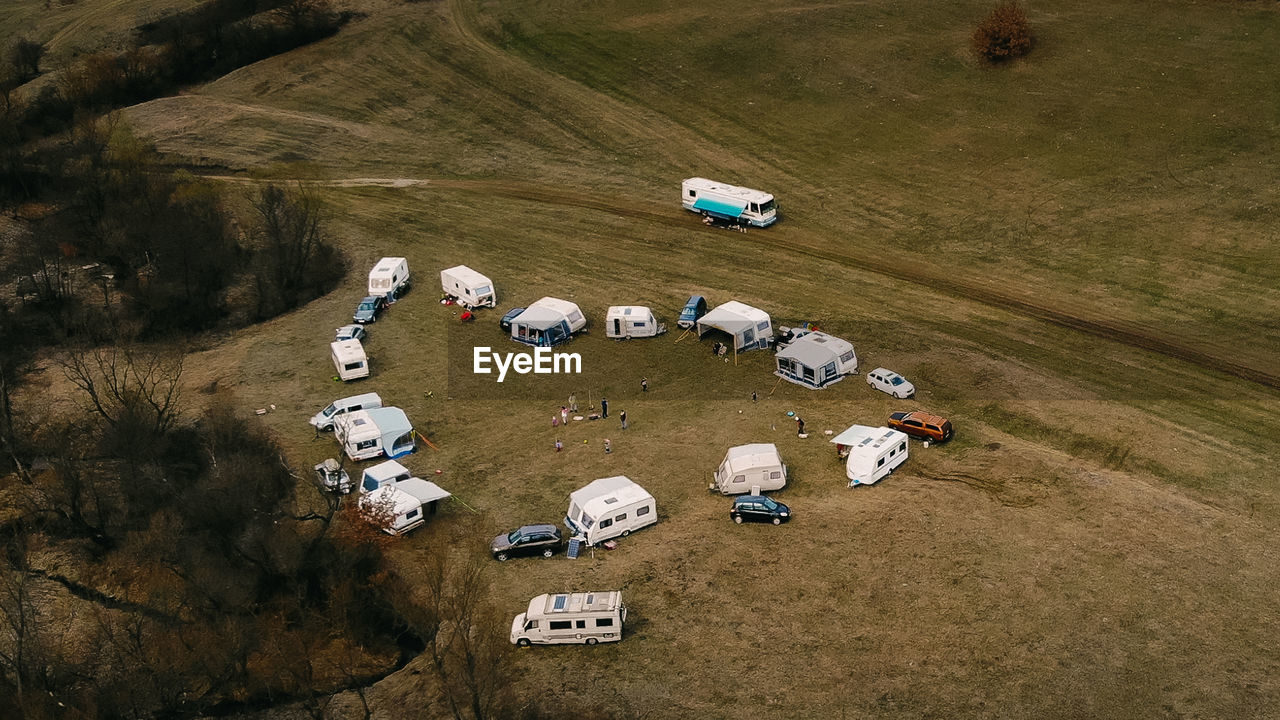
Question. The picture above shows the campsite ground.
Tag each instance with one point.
(1096, 541)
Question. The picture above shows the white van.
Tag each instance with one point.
(349, 360)
(609, 507)
(468, 287)
(753, 468)
(323, 420)
(871, 452)
(389, 278)
(584, 618)
(402, 506)
(384, 473)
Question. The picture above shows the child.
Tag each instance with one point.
(608, 448)
(559, 445)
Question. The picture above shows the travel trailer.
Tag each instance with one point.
(870, 452)
(384, 473)
(632, 321)
(323, 420)
(815, 359)
(609, 507)
(749, 327)
(584, 618)
(368, 434)
(469, 288)
(728, 202)
(402, 506)
(753, 468)
(349, 360)
(389, 278)
(547, 322)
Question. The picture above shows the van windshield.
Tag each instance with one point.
(896, 380)
(513, 536)
(768, 207)
(328, 412)
(769, 504)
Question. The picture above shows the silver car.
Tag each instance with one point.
(890, 382)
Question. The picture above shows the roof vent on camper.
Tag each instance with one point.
(610, 501)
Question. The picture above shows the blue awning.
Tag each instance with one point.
(719, 208)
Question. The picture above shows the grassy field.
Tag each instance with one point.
(1097, 540)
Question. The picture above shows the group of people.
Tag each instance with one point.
(562, 418)
(719, 349)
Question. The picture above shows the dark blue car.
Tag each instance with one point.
(368, 309)
(505, 322)
(694, 309)
(759, 508)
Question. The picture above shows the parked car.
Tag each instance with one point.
(331, 476)
(759, 508)
(890, 382)
(368, 309)
(542, 540)
(350, 332)
(505, 322)
(921, 425)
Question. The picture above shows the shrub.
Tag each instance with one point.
(1004, 34)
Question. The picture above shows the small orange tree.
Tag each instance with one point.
(1004, 34)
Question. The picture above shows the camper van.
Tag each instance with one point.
(402, 506)
(609, 507)
(349, 360)
(584, 618)
(389, 278)
(323, 420)
(468, 287)
(870, 452)
(728, 202)
(368, 434)
(753, 468)
(632, 321)
(384, 473)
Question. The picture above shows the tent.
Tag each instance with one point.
(750, 327)
(547, 322)
(377, 431)
(816, 360)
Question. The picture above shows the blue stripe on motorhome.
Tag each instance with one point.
(718, 208)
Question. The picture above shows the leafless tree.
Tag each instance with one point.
(126, 385)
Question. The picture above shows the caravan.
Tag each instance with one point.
(871, 452)
(349, 360)
(815, 359)
(570, 618)
(728, 202)
(367, 434)
(609, 507)
(323, 420)
(469, 288)
(384, 473)
(753, 468)
(389, 279)
(547, 323)
(632, 321)
(402, 506)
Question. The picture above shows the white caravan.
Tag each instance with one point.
(384, 473)
(402, 506)
(871, 452)
(584, 618)
(323, 420)
(728, 202)
(468, 287)
(815, 359)
(349, 359)
(632, 321)
(389, 278)
(367, 434)
(753, 468)
(609, 507)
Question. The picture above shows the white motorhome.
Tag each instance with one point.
(323, 420)
(402, 506)
(468, 287)
(368, 434)
(753, 468)
(389, 278)
(349, 359)
(632, 321)
(584, 618)
(871, 452)
(728, 202)
(609, 507)
(384, 473)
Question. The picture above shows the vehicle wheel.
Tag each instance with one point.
(777, 521)
(502, 557)
(626, 533)
(737, 519)
(523, 642)
(547, 553)
(591, 641)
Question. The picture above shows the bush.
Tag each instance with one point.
(1004, 34)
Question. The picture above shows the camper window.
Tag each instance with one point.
(582, 624)
(604, 622)
(639, 324)
(847, 356)
(482, 290)
(531, 625)
(739, 478)
(353, 366)
(605, 523)
(643, 511)
(561, 624)
(903, 446)
(693, 193)
(755, 208)
(411, 515)
(587, 521)
(775, 475)
(620, 518)
(880, 463)
(829, 369)
(366, 444)
(762, 325)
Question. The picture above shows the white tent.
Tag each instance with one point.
(816, 360)
(629, 321)
(750, 327)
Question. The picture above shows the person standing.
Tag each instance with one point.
(573, 402)
(608, 448)
(753, 396)
(644, 384)
(564, 415)
(559, 445)
(604, 407)
(799, 425)
(623, 417)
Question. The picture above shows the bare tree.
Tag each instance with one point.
(125, 385)
(295, 260)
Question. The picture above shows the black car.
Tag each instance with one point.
(541, 540)
(758, 508)
(368, 309)
(505, 322)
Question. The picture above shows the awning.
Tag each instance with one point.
(719, 208)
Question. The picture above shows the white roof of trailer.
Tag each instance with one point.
(386, 266)
(347, 350)
(620, 488)
(748, 194)
(467, 275)
(752, 455)
(630, 311)
(815, 349)
(564, 307)
(864, 438)
(552, 603)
